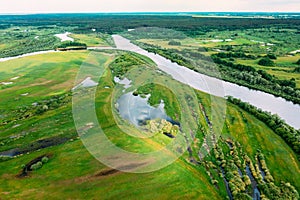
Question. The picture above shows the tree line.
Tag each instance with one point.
(237, 73)
(289, 134)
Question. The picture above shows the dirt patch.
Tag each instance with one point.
(131, 166)
(107, 172)
(97, 176)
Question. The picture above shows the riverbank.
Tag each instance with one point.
(276, 105)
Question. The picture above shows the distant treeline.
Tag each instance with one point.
(290, 135)
(113, 23)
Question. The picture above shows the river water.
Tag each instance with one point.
(137, 109)
(285, 109)
(64, 37)
(25, 55)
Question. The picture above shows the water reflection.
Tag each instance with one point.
(137, 110)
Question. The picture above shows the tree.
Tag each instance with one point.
(297, 69)
(174, 43)
(266, 62)
(271, 56)
(298, 62)
(242, 196)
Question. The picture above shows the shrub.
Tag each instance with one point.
(4, 158)
(266, 62)
(246, 180)
(271, 56)
(45, 159)
(297, 69)
(174, 43)
(36, 166)
(71, 44)
(242, 196)
(45, 107)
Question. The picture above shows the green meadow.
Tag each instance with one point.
(73, 173)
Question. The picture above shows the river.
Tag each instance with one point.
(64, 37)
(25, 55)
(285, 109)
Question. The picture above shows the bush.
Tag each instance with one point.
(71, 44)
(242, 196)
(45, 159)
(297, 69)
(271, 56)
(4, 158)
(266, 62)
(36, 166)
(174, 43)
(298, 62)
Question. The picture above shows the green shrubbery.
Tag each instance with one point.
(4, 158)
(36, 166)
(29, 45)
(287, 133)
(124, 63)
(71, 44)
(238, 178)
(297, 70)
(271, 56)
(45, 159)
(266, 62)
(174, 43)
(229, 71)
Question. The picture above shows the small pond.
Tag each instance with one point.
(137, 110)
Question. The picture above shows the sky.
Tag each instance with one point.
(58, 6)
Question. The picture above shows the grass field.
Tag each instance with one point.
(72, 173)
(84, 180)
(283, 69)
(253, 134)
(89, 39)
(40, 76)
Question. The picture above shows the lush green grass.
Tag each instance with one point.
(41, 76)
(283, 69)
(76, 179)
(19, 40)
(90, 39)
(41, 81)
(71, 172)
(253, 134)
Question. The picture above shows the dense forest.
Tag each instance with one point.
(113, 23)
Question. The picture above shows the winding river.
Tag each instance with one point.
(285, 109)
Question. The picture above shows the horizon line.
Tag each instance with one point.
(141, 12)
